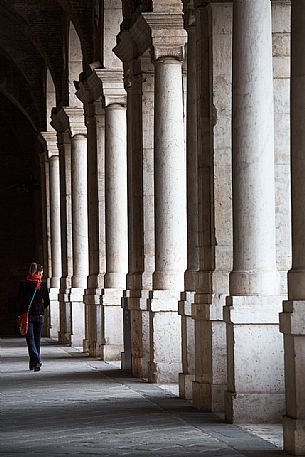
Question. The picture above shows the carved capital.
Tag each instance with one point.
(164, 33)
(50, 139)
(111, 86)
(70, 120)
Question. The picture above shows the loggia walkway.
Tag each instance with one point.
(79, 406)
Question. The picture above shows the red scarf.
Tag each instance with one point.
(36, 278)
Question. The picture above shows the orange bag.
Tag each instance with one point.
(23, 323)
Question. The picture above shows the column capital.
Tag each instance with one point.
(71, 120)
(51, 144)
(164, 32)
(109, 85)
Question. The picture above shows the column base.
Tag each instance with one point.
(294, 436)
(54, 313)
(94, 322)
(65, 316)
(186, 386)
(165, 337)
(136, 303)
(78, 317)
(112, 324)
(254, 408)
(211, 353)
(208, 397)
(255, 392)
(187, 376)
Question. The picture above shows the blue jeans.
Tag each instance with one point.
(33, 339)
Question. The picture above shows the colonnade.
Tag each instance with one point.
(173, 228)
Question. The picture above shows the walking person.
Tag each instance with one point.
(33, 291)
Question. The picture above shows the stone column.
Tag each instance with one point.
(139, 83)
(111, 89)
(188, 296)
(72, 120)
(79, 227)
(90, 95)
(255, 354)
(54, 181)
(60, 124)
(169, 191)
(170, 221)
(293, 317)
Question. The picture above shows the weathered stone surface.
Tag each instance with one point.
(82, 406)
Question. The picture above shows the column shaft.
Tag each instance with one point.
(55, 220)
(254, 254)
(170, 179)
(64, 145)
(79, 237)
(54, 198)
(116, 197)
(79, 211)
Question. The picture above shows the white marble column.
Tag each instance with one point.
(109, 86)
(190, 278)
(139, 83)
(169, 197)
(95, 122)
(79, 234)
(54, 182)
(170, 222)
(293, 317)
(255, 352)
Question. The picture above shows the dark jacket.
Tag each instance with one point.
(25, 294)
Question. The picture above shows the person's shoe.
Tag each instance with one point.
(37, 368)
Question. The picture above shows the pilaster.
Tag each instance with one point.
(292, 319)
(187, 297)
(213, 32)
(139, 84)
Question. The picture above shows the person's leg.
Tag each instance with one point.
(30, 339)
(37, 334)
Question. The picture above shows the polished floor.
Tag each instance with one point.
(79, 406)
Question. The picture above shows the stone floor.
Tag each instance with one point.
(79, 406)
